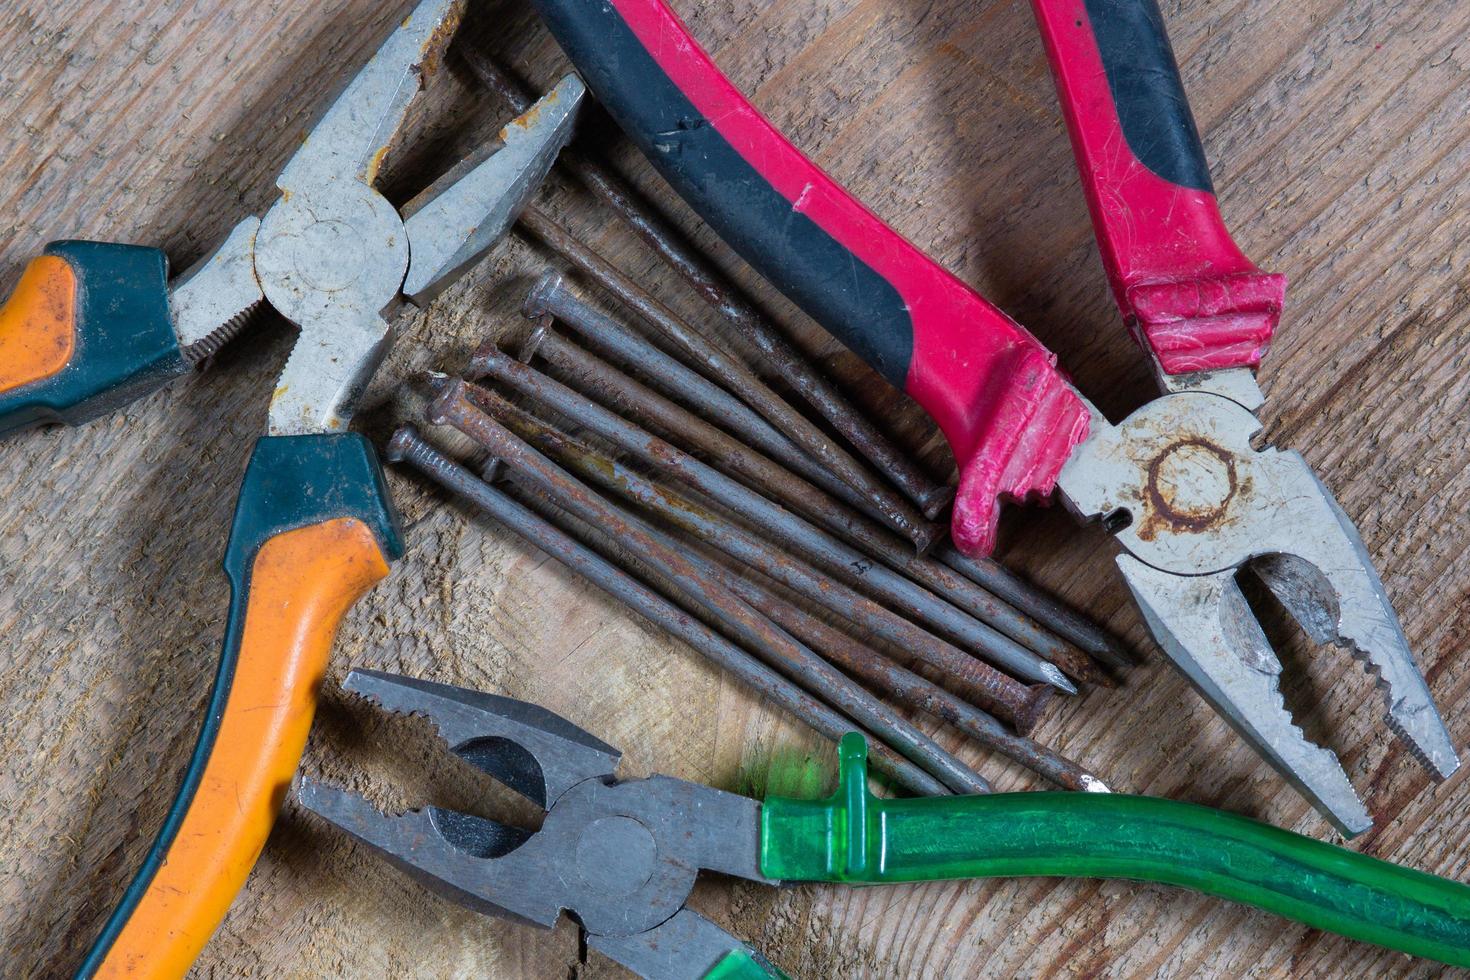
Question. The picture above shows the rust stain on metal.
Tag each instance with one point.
(1167, 508)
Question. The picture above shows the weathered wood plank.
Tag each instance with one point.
(1340, 139)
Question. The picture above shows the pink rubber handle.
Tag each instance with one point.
(1185, 289)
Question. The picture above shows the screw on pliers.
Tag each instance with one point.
(621, 856)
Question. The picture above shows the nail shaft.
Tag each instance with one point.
(897, 682)
(753, 629)
(735, 376)
(553, 297)
(731, 302)
(1011, 700)
(777, 523)
(594, 377)
(1058, 616)
(408, 446)
(917, 692)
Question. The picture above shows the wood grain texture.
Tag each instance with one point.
(1339, 132)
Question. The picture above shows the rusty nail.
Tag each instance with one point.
(735, 376)
(758, 633)
(1061, 618)
(408, 446)
(905, 686)
(732, 303)
(553, 297)
(1019, 704)
(594, 377)
(776, 522)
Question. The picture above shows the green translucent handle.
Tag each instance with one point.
(739, 964)
(856, 837)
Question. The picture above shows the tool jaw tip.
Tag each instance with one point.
(450, 853)
(531, 750)
(1335, 592)
(452, 223)
(360, 125)
(1206, 627)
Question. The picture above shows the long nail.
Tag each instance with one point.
(553, 298)
(776, 522)
(753, 629)
(1004, 696)
(1060, 617)
(736, 377)
(407, 446)
(731, 302)
(897, 682)
(590, 375)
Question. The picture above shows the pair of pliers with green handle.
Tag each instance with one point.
(92, 324)
(623, 855)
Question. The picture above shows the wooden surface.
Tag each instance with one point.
(1339, 131)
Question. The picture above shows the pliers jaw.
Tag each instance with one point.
(333, 256)
(538, 754)
(1194, 504)
(620, 856)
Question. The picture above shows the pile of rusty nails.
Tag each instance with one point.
(784, 517)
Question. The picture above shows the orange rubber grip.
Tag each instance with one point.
(302, 583)
(38, 323)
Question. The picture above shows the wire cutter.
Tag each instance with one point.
(622, 855)
(1178, 483)
(314, 527)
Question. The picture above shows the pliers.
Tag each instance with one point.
(622, 855)
(314, 527)
(1178, 484)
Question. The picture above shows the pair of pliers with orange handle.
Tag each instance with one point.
(314, 528)
(1181, 484)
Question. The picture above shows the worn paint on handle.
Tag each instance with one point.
(313, 530)
(38, 324)
(1184, 287)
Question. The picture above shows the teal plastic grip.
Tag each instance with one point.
(125, 344)
(856, 837)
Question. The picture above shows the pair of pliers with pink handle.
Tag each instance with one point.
(1178, 484)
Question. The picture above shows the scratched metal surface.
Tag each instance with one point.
(1338, 133)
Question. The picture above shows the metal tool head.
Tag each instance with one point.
(620, 856)
(538, 754)
(1181, 487)
(332, 254)
(455, 220)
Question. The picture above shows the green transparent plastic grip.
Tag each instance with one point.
(739, 964)
(856, 837)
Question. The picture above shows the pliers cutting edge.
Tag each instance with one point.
(1178, 483)
(314, 527)
(622, 856)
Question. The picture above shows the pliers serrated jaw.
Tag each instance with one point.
(1195, 505)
